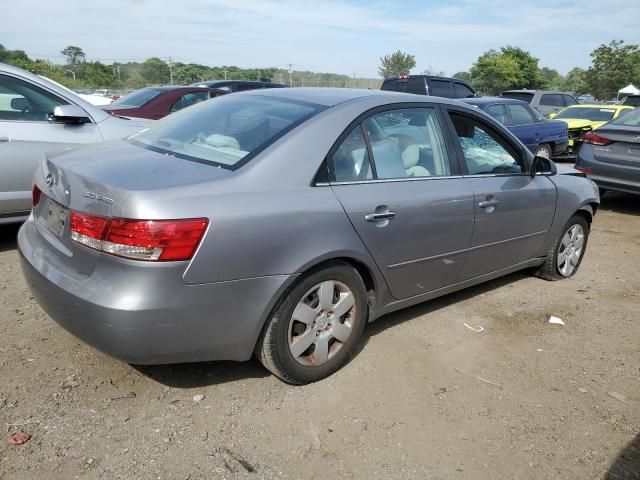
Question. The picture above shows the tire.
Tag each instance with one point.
(555, 269)
(544, 150)
(308, 337)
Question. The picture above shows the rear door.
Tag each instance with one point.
(26, 135)
(396, 176)
(524, 126)
(513, 209)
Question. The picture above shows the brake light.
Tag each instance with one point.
(36, 193)
(88, 229)
(586, 171)
(163, 240)
(595, 139)
(152, 240)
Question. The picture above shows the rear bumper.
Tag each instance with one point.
(144, 314)
(608, 175)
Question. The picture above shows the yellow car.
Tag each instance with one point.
(581, 119)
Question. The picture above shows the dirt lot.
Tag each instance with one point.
(426, 397)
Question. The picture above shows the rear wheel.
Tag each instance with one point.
(313, 331)
(544, 151)
(565, 256)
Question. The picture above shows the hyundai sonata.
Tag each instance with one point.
(279, 223)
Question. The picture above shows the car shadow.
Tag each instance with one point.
(621, 203)
(627, 465)
(203, 374)
(9, 237)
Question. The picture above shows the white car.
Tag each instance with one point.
(39, 116)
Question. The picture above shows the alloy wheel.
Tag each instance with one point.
(570, 250)
(321, 323)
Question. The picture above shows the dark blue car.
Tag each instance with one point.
(546, 138)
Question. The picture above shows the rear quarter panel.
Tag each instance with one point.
(574, 194)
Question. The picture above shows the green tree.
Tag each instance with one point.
(614, 66)
(576, 81)
(494, 72)
(74, 55)
(155, 71)
(528, 71)
(551, 78)
(395, 64)
(466, 76)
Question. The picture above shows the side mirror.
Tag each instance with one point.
(20, 103)
(71, 114)
(543, 166)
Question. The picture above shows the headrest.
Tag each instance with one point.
(411, 155)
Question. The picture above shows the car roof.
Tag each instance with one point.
(404, 77)
(333, 96)
(524, 90)
(493, 100)
(600, 105)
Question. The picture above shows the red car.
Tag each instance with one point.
(157, 102)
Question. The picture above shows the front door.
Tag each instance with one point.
(513, 209)
(392, 173)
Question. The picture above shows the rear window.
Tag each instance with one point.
(416, 85)
(138, 98)
(524, 96)
(631, 119)
(389, 85)
(226, 132)
(585, 113)
(462, 91)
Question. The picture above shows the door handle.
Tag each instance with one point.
(375, 217)
(488, 203)
(3, 138)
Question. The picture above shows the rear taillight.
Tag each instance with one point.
(152, 240)
(35, 195)
(595, 139)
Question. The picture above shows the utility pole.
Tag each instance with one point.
(170, 71)
(354, 81)
(225, 72)
(290, 65)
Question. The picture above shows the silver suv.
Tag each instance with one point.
(544, 101)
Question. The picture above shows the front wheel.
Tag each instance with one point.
(565, 256)
(314, 330)
(544, 151)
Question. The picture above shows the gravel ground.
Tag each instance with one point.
(425, 398)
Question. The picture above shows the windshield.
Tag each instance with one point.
(630, 119)
(138, 98)
(226, 131)
(524, 96)
(585, 113)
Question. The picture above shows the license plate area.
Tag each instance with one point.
(56, 218)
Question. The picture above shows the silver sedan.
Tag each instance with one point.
(280, 222)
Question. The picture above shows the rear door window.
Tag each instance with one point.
(552, 100)
(499, 112)
(440, 88)
(569, 100)
(351, 162)
(416, 85)
(462, 91)
(189, 99)
(407, 143)
(520, 115)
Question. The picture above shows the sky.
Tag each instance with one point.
(337, 36)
